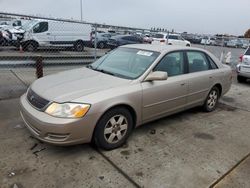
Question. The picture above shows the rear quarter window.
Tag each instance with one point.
(212, 63)
(248, 51)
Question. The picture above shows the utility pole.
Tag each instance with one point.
(81, 8)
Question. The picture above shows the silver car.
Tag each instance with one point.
(130, 86)
(243, 68)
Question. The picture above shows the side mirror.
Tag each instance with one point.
(157, 75)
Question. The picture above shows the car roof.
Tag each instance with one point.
(172, 34)
(119, 36)
(160, 48)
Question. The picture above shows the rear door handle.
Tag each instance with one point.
(48, 33)
(182, 84)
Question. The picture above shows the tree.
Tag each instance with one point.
(247, 34)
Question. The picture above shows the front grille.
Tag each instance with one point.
(36, 101)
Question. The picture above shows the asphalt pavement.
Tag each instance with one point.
(189, 149)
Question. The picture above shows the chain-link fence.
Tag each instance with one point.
(31, 47)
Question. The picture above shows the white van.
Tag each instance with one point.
(170, 39)
(44, 33)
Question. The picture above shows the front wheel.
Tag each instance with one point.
(31, 47)
(79, 46)
(211, 100)
(113, 128)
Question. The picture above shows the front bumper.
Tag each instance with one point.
(59, 131)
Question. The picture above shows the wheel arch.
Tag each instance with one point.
(30, 41)
(219, 86)
(126, 106)
(79, 41)
(120, 105)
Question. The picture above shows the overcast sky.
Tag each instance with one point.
(197, 16)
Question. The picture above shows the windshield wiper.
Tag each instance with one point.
(105, 72)
(90, 67)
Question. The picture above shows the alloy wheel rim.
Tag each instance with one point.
(212, 99)
(115, 129)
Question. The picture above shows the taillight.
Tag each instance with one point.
(241, 58)
(162, 40)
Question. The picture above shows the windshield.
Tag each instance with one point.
(126, 63)
(158, 36)
(29, 25)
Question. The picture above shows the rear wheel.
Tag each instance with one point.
(79, 46)
(211, 100)
(241, 79)
(113, 128)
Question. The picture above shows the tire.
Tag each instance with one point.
(113, 129)
(241, 79)
(79, 46)
(101, 45)
(31, 47)
(212, 100)
(188, 45)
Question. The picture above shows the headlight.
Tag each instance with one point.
(67, 110)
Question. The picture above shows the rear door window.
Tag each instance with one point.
(172, 63)
(197, 61)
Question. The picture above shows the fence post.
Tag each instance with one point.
(39, 66)
(167, 37)
(95, 40)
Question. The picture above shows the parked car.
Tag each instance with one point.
(170, 39)
(16, 23)
(13, 35)
(245, 43)
(194, 39)
(120, 40)
(243, 68)
(235, 43)
(4, 24)
(208, 41)
(101, 39)
(147, 38)
(47, 33)
(128, 87)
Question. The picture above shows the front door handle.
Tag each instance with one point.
(182, 84)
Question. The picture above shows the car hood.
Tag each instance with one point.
(70, 85)
(16, 30)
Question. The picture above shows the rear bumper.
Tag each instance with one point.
(58, 131)
(243, 70)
